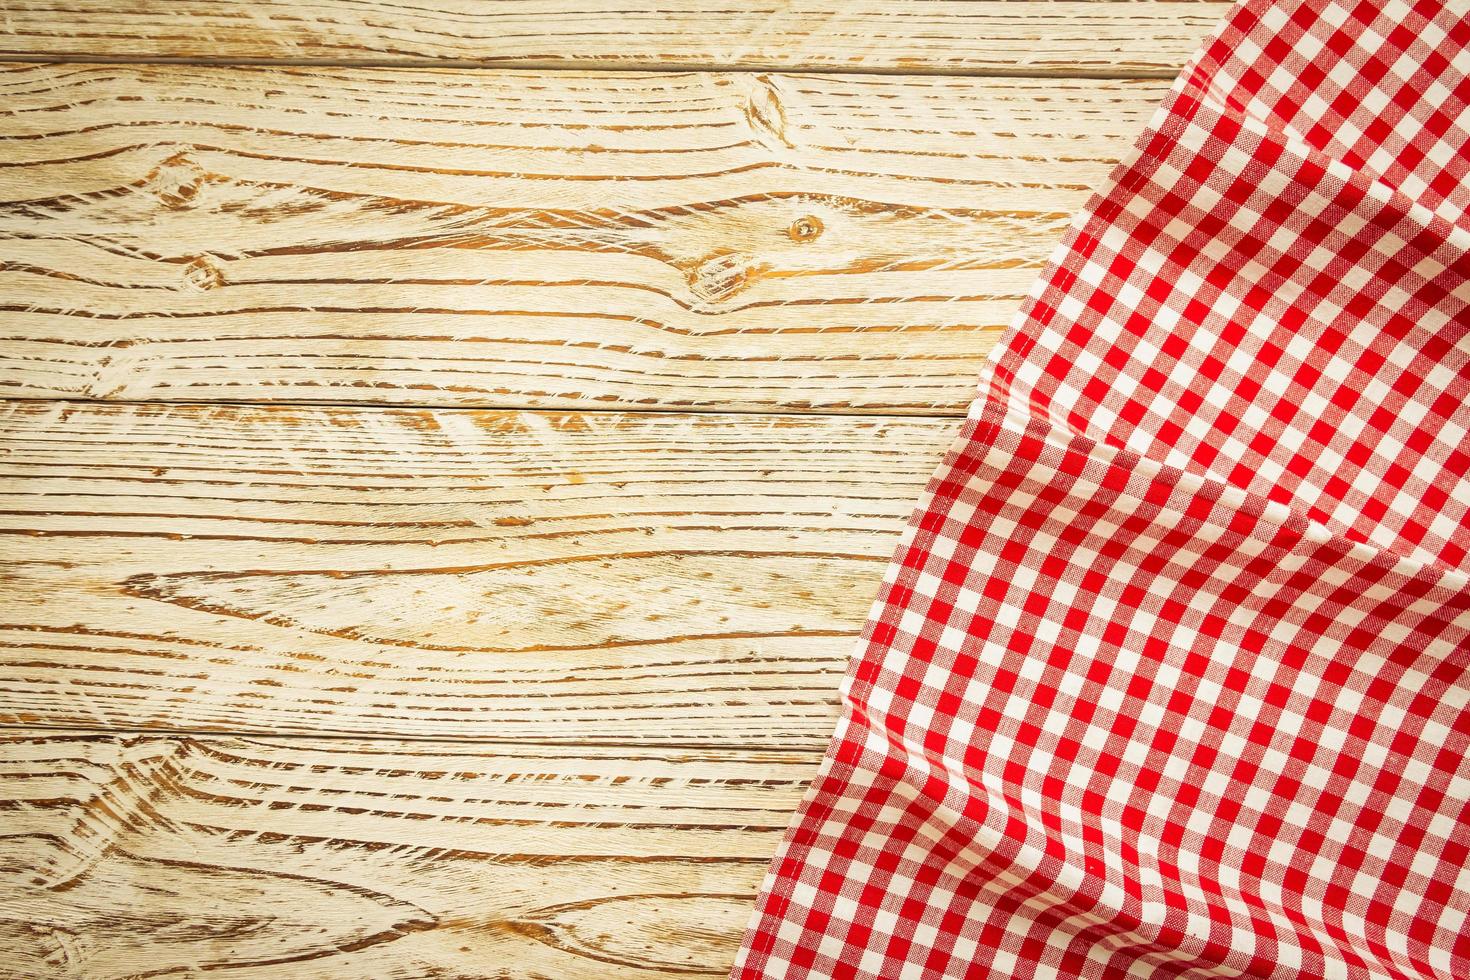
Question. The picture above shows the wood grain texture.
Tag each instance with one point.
(508, 239)
(1101, 37)
(596, 577)
(378, 692)
(134, 856)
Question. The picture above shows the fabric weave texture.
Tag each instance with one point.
(1168, 675)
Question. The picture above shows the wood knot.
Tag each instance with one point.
(176, 182)
(202, 274)
(805, 229)
(719, 277)
(767, 117)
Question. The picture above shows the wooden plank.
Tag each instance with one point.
(640, 577)
(154, 856)
(1104, 37)
(510, 239)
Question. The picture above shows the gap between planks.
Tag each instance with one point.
(489, 742)
(652, 67)
(739, 410)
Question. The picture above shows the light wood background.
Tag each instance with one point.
(451, 445)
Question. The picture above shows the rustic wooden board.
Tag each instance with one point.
(593, 577)
(1109, 37)
(509, 239)
(262, 858)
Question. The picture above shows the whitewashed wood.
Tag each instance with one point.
(1113, 37)
(265, 858)
(575, 577)
(510, 239)
(579, 597)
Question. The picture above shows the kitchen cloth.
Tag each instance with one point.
(1168, 675)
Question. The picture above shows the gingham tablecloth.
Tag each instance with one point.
(1168, 675)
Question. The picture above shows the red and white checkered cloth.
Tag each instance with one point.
(1168, 677)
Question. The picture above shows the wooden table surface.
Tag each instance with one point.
(450, 446)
